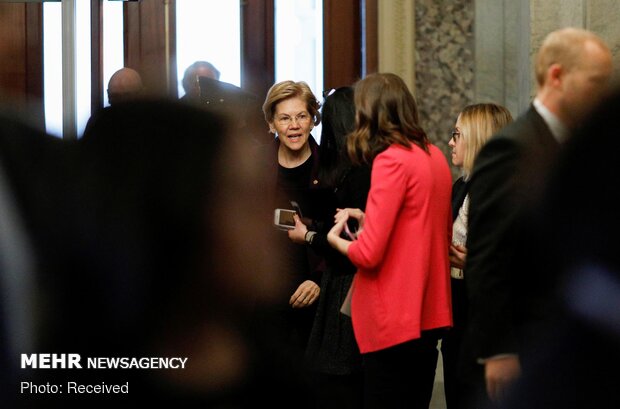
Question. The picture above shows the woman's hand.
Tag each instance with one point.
(307, 293)
(356, 214)
(334, 239)
(458, 255)
(298, 234)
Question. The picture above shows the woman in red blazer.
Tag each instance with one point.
(401, 292)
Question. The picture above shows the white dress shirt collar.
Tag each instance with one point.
(558, 129)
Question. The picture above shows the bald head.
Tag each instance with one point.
(125, 84)
(573, 70)
(566, 47)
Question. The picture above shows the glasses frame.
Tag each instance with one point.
(455, 135)
(301, 119)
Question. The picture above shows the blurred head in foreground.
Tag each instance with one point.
(166, 258)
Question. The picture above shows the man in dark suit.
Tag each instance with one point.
(575, 366)
(573, 67)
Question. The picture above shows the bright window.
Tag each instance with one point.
(52, 64)
(82, 64)
(113, 48)
(207, 30)
(299, 44)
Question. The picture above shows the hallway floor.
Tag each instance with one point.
(438, 401)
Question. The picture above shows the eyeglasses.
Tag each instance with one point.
(455, 135)
(302, 118)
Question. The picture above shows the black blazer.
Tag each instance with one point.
(297, 262)
(583, 224)
(508, 178)
(459, 191)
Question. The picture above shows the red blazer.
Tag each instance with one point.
(403, 281)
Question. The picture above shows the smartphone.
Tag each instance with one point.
(283, 219)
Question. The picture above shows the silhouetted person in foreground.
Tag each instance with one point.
(157, 249)
(31, 180)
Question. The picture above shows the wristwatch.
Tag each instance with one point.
(309, 236)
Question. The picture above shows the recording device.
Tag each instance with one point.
(229, 100)
(350, 229)
(283, 219)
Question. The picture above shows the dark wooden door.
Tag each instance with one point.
(21, 59)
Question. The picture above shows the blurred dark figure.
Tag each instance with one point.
(238, 106)
(32, 166)
(575, 362)
(124, 85)
(156, 251)
(30, 169)
(203, 87)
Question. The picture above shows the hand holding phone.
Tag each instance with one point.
(283, 219)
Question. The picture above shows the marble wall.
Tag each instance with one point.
(603, 17)
(444, 64)
(467, 51)
(508, 34)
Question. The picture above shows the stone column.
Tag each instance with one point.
(396, 43)
(603, 17)
(429, 43)
(508, 33)
(444, 46)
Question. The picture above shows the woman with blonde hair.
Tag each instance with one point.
(474, 127)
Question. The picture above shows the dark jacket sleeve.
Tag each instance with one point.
(490, 243)
(352, 193)
(459, 191)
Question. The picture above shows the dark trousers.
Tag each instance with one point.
(340, 391)
(401, 376)
(460, 392)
